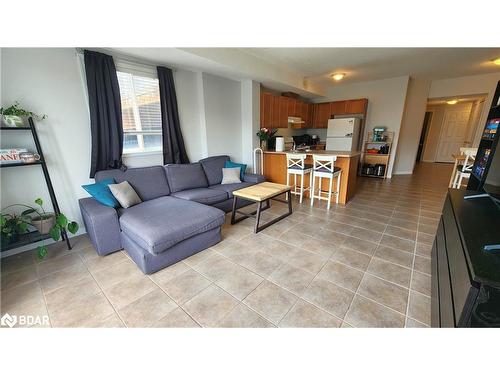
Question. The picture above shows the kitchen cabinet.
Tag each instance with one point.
(266, 109)
(338, 108)
(322, 114)
(356, 106)
(283, 103)
(275, 111)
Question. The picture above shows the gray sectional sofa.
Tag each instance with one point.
(181, 214)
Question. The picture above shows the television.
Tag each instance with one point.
(485, 176)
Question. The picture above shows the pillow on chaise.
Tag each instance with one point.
(230, 176)
(125, 194)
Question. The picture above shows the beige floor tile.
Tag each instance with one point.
(334, 238)
(295, 238)
(305, 315)
(320, 247)
(384, 292)
(16, 262)
(258, 262)
(351, 258)
(111, 321)
(168, 273)
(424, 249)
(235, 232)
(399, 257)
(328, 296)
(342, 275)
(147, 310)
(412, 323)
(420, 307)
(362, 246)
(95, 264)
(308, 261)
(398, 243)
(18, 297)
(185, 286)
(404, 224)
(425, 238)
(65, 297)
(176, 319)
(364, 313)
(199, 257)
(210, 306)
(270, 301)
(243, 317)
(65, 277)
(293, 279)
(238, 281)
(84, 313)
(401, 233)
(22, 276)
(421, 282)
(129, 290)
(57, 264)
(390, 272)
(422, 265)
(116, 273)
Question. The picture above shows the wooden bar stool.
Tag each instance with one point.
(296, 166)
(324, 167)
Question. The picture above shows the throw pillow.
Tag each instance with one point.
(230, 176)
(100, 192)
(243, 167)
(125, 194)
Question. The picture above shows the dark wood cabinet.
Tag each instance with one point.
(338, 108)
(266, 109)
(356, 106)
(283, 112)
(322, 114)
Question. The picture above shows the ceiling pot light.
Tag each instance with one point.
(338, 76)
(497, 61)
(451, 102)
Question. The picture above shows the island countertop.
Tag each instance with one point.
(275, 170)
(340, 154)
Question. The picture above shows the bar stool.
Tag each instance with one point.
(296, 166)
(324, 167)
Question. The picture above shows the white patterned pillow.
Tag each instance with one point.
(231, 176)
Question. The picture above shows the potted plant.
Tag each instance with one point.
(45, 222)
(15, 115)
(11, 226)
(265, 135)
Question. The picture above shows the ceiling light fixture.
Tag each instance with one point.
(497, 61)
(451, 102)
(338, 76)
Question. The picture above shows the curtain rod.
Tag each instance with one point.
(126, 58)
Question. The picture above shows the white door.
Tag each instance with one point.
(452, 133)
(339, 144)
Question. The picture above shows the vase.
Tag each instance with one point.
(263, 145)
(12, 121)
(44, 225)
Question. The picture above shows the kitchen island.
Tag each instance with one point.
(275, 170)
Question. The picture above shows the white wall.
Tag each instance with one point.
(468, 85)
(49, 81)
(411, 126)
(222, 101)
(386, 100)
(250, 120)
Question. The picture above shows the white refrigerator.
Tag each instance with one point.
(343, 134)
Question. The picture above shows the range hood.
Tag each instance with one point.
(295, 120)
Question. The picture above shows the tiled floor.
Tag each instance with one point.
(366, 264)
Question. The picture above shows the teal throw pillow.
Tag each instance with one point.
(101, 192)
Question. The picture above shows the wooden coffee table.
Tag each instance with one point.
(260, 193)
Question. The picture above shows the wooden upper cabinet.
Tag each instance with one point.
(338, 108)
(356, 106)
(283, 112)
(275, 112)
(322, 114)
(266, 99)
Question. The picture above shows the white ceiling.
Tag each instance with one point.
(368, 64)
(307, 70)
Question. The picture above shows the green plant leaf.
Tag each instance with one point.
(23, 227)
(61, 220)
(55, 233)
(3, 220)
(27, 212)
(39, 201)
(73, 227)
(42, 252)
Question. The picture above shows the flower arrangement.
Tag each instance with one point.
(265, 134)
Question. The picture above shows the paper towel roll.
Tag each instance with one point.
(280, 144)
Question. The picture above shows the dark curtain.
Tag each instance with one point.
(105, 112)
(174, 150)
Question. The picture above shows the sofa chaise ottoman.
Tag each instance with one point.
(183, 208)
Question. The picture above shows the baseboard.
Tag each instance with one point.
(34, 245)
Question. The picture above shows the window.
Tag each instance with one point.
(141, 113)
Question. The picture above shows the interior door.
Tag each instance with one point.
(453, 133)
